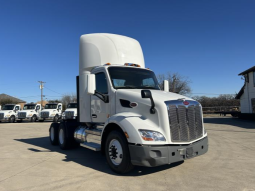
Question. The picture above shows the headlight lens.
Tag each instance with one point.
(52, 114)
(151, 135)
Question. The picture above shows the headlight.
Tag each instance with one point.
(30, 115)
(151, 135)
(52, 114)
(9, 111)
(7, 115)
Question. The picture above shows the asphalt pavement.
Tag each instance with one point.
(29, 162)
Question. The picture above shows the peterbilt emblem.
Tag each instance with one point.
(186, 103)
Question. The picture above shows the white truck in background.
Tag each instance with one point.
(70, 112)
(29, 112)
(123, 113)
(9, 113)
(51, 111)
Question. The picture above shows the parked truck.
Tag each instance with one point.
(123, 113)
(9, 113)
(30, 112)
(71, 112)
(51, 111)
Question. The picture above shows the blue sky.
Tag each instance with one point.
(208, 41)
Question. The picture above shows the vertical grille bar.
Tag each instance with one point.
(186, 123)
(1, 115)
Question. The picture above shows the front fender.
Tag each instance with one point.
(131, 123)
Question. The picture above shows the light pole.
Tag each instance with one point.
(41, 87)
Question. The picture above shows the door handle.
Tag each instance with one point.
(94, 116)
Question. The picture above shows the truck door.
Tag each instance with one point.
(99, 109)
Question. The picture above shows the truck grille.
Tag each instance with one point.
(69, 114)
(1, 115)
(45, 114)
(22, 115)
(185, 120)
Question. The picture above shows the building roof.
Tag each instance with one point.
(240, 93)
(5, 96)
(247, 71)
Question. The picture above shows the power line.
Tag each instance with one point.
(53, 91)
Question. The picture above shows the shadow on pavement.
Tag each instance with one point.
(246, 124)
(89, 158)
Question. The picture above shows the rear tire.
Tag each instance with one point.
(63, 141)
(53, 133)
(117, 152)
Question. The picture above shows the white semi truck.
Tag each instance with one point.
(9, 113)
(51, 111)
(70, 112)
(123, 113)
(30, 112)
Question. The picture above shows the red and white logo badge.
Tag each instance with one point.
(186, 103)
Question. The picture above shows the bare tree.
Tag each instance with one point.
(7, 101)
(177, 83)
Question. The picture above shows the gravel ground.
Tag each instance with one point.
(29, 162)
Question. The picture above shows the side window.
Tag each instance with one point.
(59, 106)
(38, 107)
(101, 83)
(17, 108)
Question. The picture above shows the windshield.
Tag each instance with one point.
(50, 106)
(26, 107)
(8, 107)
(133, 78)
(72, 105)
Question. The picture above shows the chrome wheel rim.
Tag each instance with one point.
(61, 136)
(115, 152)
(52, 134)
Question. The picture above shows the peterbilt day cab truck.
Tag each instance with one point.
(9, 113)
(51, 111)
(123, 113)
(71, 112)
(30, 112)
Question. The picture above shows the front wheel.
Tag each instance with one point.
(55, 119)
(33, 118)
(12, 119)
(117, 153)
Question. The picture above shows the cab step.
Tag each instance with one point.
(91, 145)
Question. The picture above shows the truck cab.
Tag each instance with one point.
(9, 113)
(70, 112)
(51, 111)
(29, 112)
(123, 113)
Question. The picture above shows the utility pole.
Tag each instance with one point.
(41, 87)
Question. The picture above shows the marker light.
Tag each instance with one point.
(130, 64)
(107, 64)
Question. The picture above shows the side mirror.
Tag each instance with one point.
(147, 94)
(91, 84)
(166, 85)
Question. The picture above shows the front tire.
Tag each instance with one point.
(55, 119)
(117, 152)
(53, 133)
(12, 119)
(33, 118)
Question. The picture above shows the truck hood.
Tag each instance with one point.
(156, 94)
(50, 110)
(5, 112)
(71, 109)
(28, 111)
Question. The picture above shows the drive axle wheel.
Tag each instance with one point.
(117, 152)
(53, 132)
